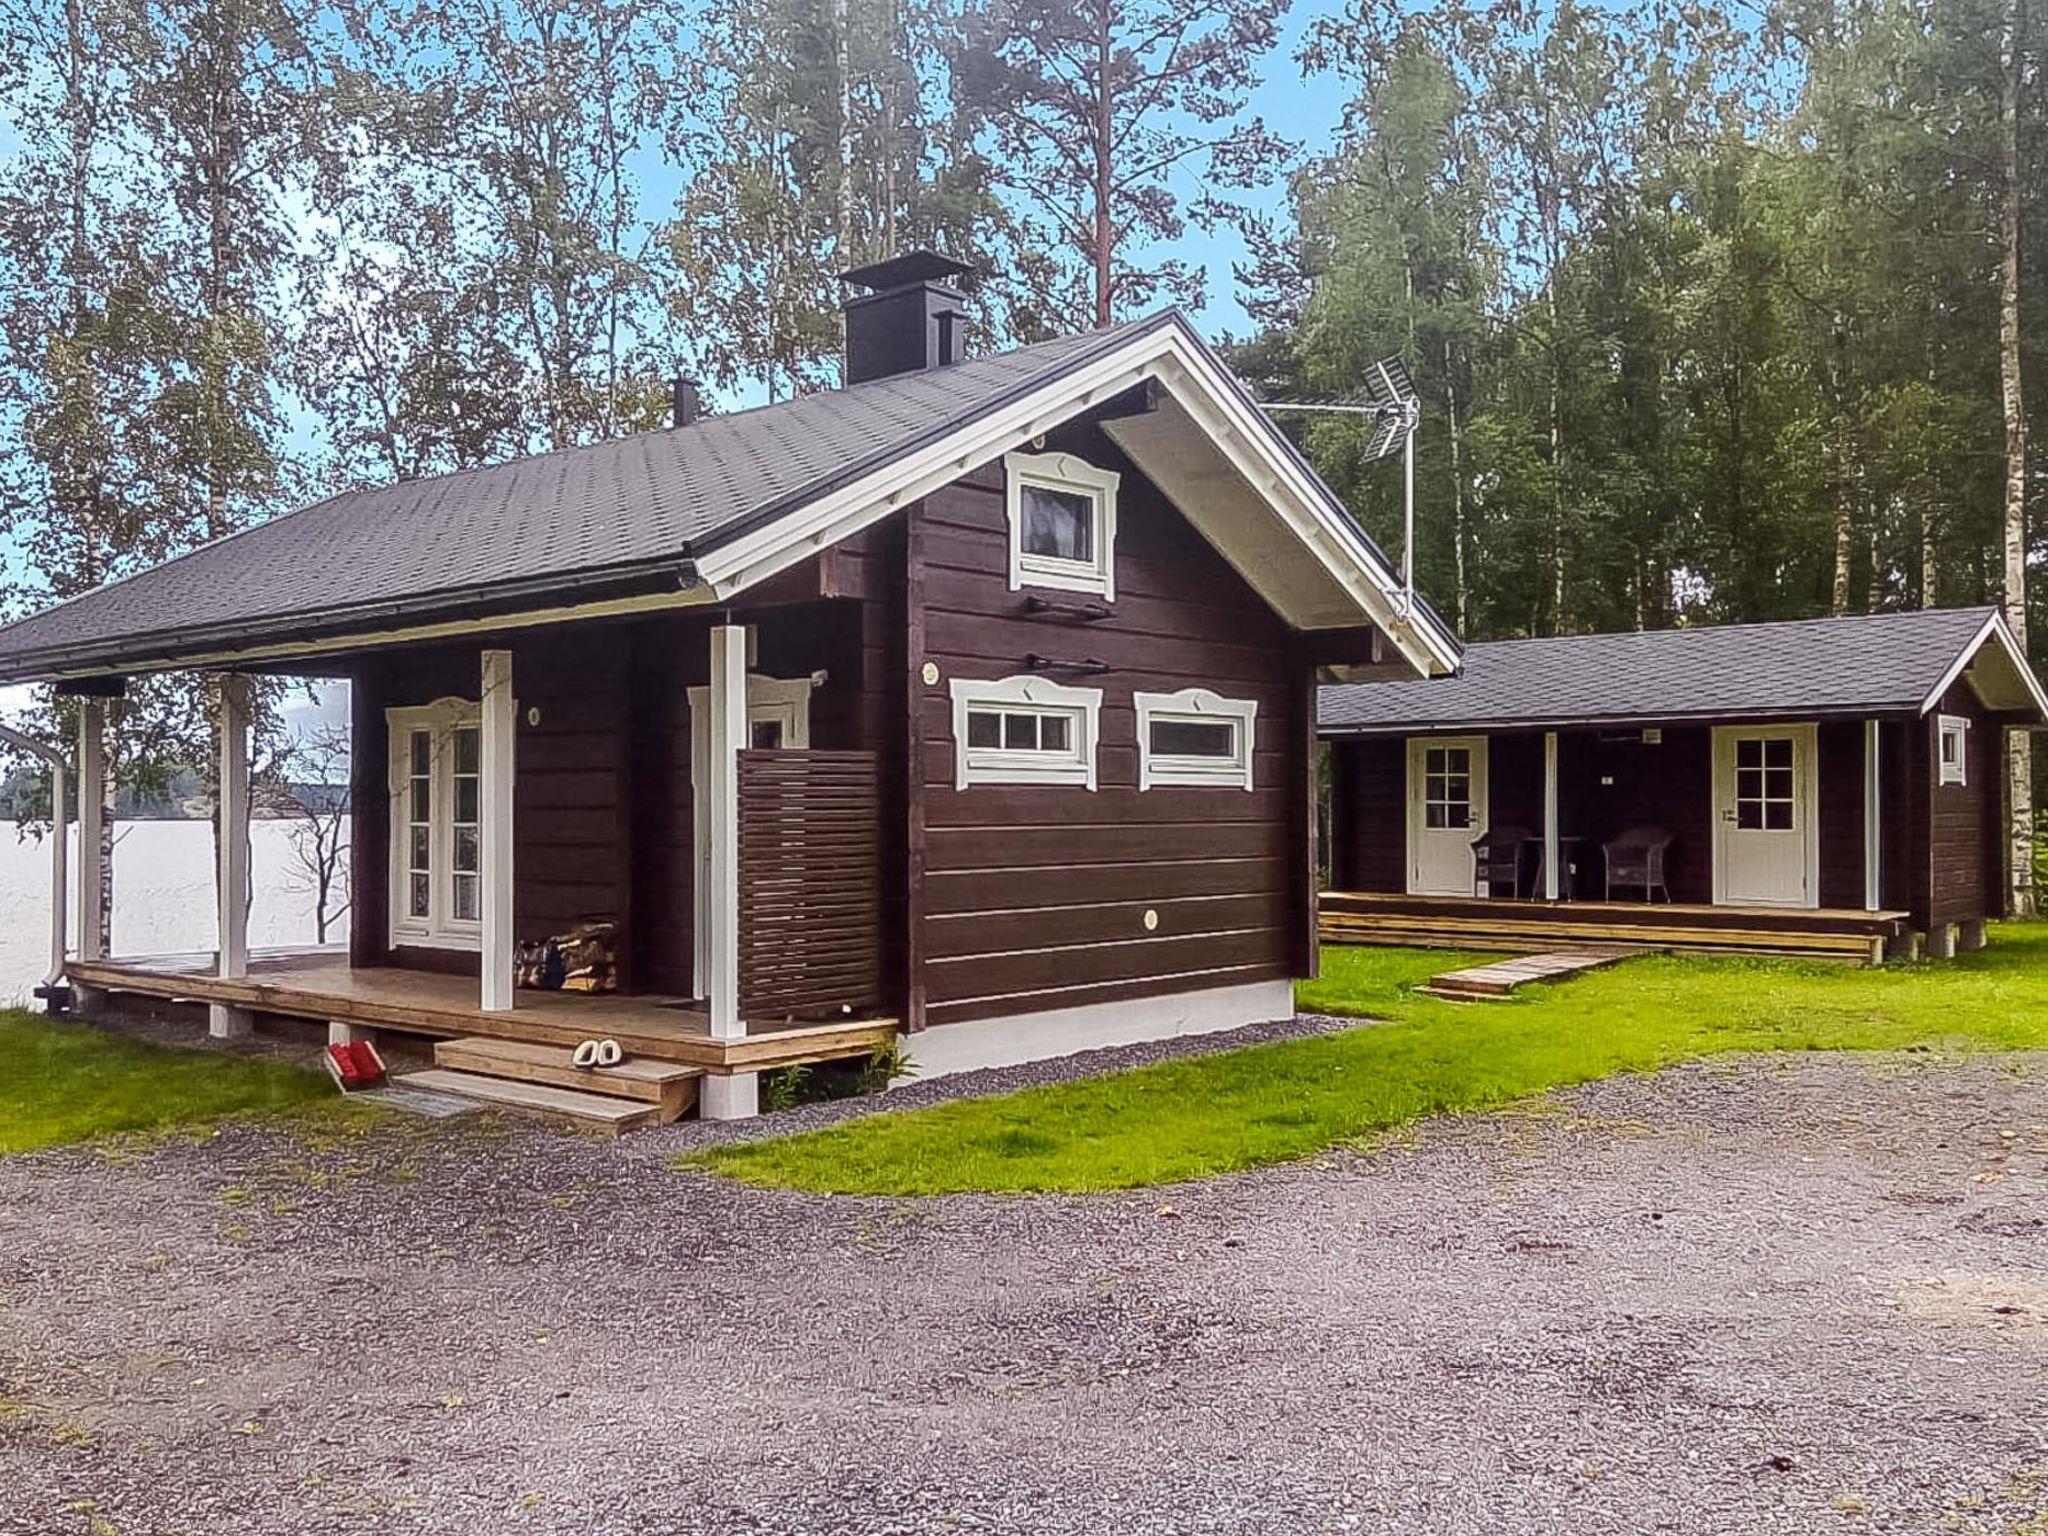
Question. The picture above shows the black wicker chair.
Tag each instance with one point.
(1635, 860)
(1497, 859)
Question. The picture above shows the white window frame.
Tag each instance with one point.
(440, 929)
(1206, 707)
(1074, 476)
(1027, 694)
(1956, 728)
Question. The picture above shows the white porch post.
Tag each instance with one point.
(1873, 823)
(497, 740)
(92, 827)
(1550, 832)
(736, 1096)
(60, 874)
(231, 885)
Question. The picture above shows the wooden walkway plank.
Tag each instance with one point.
(1499, 978)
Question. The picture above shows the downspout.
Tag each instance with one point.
(60, 864)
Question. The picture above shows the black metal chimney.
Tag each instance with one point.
(685, 407)
(913, 316)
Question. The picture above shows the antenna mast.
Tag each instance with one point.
(1390, 399)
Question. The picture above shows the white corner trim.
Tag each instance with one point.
(1172, 354)
(1169, 769)
(497, 777)
(1027, 693)
(1003, 1042)
(1957, 726)
(1071, 473)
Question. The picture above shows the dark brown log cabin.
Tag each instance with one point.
(976, 698)
(1830, 785)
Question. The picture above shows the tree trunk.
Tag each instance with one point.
(1458, 579)
(2019, 750)
(1105, 132)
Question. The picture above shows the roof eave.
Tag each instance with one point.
(1898, 710)
(351, 626)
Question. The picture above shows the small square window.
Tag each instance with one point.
(1059, 525)
(984, 729)
(1062, 515)
(1954, 755)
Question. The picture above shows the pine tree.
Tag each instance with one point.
(1100, 112)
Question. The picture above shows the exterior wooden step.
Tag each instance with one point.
(664, 1083)
(595, 1111)
(1499, 978)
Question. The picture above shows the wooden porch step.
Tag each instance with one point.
(1478, 983)
(596, 1111)
(664, 1083)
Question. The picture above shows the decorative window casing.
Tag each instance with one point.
(1062, 512)
(1024, 730)
(1195, 738)
(436, 825)
(1952, 749)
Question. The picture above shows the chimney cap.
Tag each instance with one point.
(911, 267)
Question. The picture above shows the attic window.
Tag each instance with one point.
(1024, 730)
(1062, 513)
(1194, 739)
(1954, 753)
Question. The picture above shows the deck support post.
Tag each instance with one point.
(497, 742)
(92, 846)
(231, 883)
(736, 1096)
(1551, 841)
(1873, 822)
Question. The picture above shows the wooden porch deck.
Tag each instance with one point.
(1484, 922)
(322, 986)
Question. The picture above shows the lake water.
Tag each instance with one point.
(163, 895)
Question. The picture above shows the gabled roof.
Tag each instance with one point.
(694, 514)
(1872, 664)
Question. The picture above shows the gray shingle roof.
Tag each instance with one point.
(1865, 664)
(543, 521)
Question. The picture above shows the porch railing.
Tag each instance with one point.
(810, 839)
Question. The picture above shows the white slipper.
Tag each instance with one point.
(585, 1055)
(609, 1054)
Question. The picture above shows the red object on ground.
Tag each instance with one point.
(354, 1064)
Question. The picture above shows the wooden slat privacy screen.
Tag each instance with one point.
(810, 885)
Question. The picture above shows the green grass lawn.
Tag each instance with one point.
(67, 1082)
(1240, 1109)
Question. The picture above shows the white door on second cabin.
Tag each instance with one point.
(1766, 826)
(1446, 811)
(778, 715)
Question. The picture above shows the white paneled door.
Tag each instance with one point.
(1766, 843)
(1446, 811)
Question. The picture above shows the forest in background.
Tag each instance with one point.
(1720, 309)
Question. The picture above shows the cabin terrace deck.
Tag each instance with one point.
(324, 987)
(1480, 922)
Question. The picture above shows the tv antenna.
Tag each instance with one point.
(1391, 401)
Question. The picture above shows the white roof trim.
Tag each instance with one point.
(1172, 354)
(1994, 627)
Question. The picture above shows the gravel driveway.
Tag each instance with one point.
(1791, 1295)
